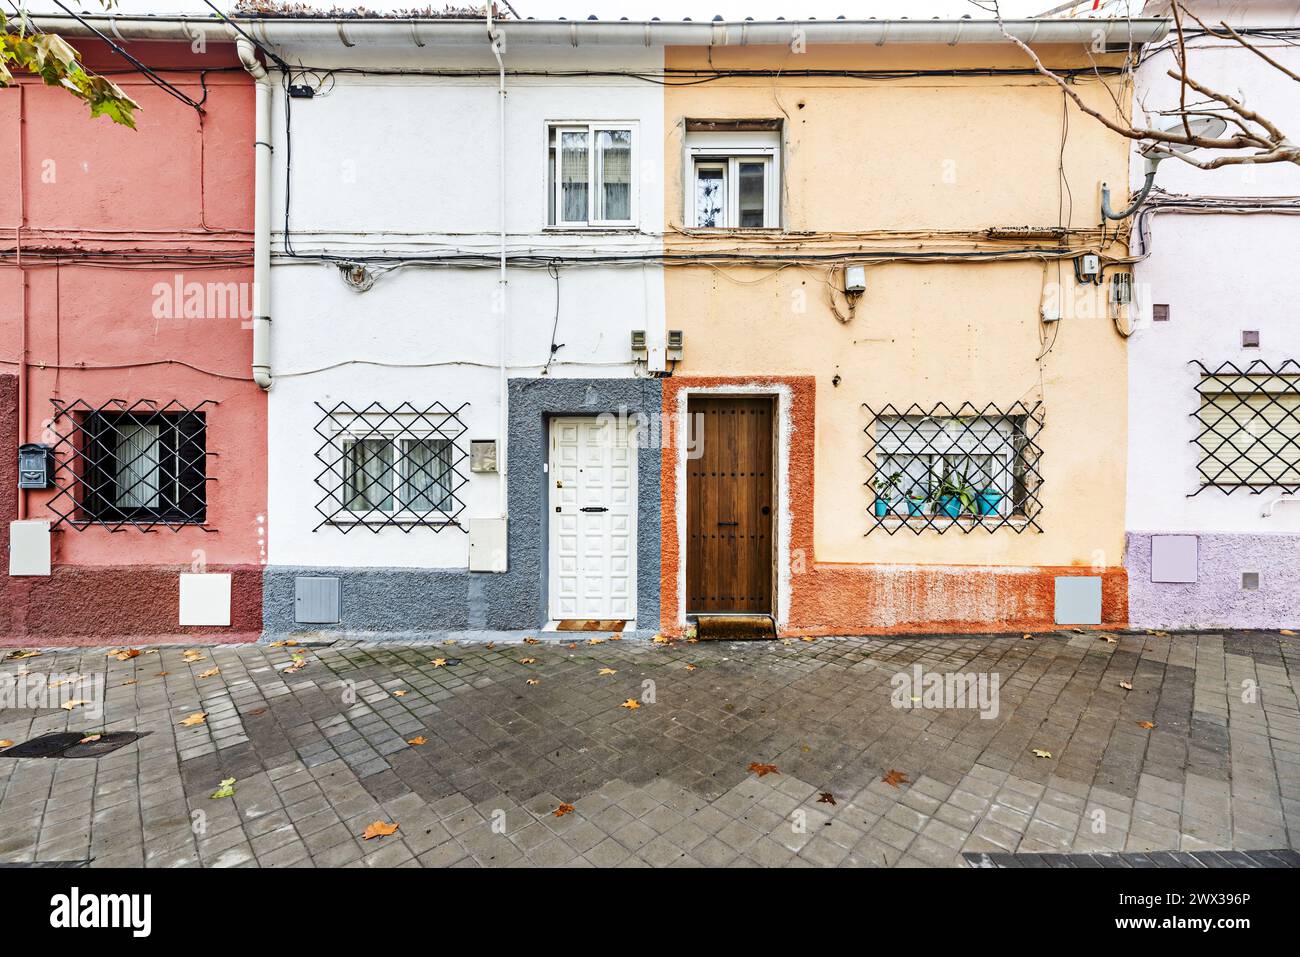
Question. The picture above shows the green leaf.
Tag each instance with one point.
(227, 789)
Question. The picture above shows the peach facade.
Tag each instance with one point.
(877, 168)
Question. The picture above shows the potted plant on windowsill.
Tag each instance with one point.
(885, 488)
(916, 502)
(954, 495)
(987, 500)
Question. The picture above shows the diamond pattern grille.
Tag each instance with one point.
(383, 468)
(1248, 427)
(122, 464)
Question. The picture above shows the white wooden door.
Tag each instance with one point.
(592, 507)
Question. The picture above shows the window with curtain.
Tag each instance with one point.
(590, 175)
(142, 467)
(393, 474)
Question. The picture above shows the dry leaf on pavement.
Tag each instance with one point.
(225, 789)
(691, 667)
(1126, 685)
(439, 662)
(762, 770)
(124, 654)
(1146, 724)
(531, 641)
(417, 740)
(379, 829)
(198, 717)
(528, 661)
(826, 798)
(895, 778)
(607, 671)
(399, 694)
(90, 738)
(1040, 753)
(69, 705)
(6, 743)
(210, 673)
(562, 810)
(532, 681)
(631, 704)
(194, 655)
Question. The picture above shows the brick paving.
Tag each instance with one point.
(320, 753)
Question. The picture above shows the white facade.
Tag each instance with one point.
(409, 165)
(1220, 273)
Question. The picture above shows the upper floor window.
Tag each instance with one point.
(589, 174)
(733, 174)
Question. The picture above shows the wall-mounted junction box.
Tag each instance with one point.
(639, 348)
(317, 600)
(676, 345)
(205, 599)
(1089, 265)
(29, 547)
(1078, 600)
(1173, 558)
(855, 279)
(487, 545)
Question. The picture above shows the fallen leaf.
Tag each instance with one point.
(762, 770)
(531, 641)
(1027, 637)
(1286, 631)
(1126, 685)
(90, 738)
(124, 654)
(607, 671)
(225, 790)
(532, 681)
(895, 778)
(6, 743)
(490, 645)
(595, 641)
(631, 704)
(194, 655)
(1040, 753)
(615, 637)
(60, 683)
(283, 644)
(439, 662)
(528, 661)
(1146, 724)
(19, 654)
(198, 717)
(563, 809)
(826, 798)
(572, 646)
(255, 712)
(162, 674)
(808, 638)
(399, 694)
(660, 640)
(691, 667)
(69, 705)
(210, 673)
(129, 681)
(1110, 639)
(379, 829)
(450, 641)
(417, 740)
(804, 748)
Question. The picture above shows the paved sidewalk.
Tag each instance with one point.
(323, 752)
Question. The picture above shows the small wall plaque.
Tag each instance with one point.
(483, 455)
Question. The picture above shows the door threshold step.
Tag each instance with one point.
(735, 627)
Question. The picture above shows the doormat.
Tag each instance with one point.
(590, 624)
(72, 744)
(735, 627)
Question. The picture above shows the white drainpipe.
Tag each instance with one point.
(497, 40)
(261, 215)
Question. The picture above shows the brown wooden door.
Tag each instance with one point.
(729, 505)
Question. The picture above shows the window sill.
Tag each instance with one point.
(630, 229)
(944, 522)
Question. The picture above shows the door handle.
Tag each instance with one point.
(593, 508)
(721, 524)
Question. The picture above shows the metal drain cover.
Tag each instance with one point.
(67, 744)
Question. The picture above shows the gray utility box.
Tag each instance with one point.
(316, 600)
(35, 466)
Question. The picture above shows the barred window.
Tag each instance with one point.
(391, 467)
(137, 464)
(965, 468)
(1249, 426)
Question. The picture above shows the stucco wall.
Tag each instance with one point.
(1219, 274)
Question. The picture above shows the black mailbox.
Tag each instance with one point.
(35, 466)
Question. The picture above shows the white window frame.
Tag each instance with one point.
(399, 512)
(941, 441)
(730, 150)
(592, 128)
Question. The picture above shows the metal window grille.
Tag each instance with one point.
(943, 468)
(130, 464)
(399, 467)
(1248, 427)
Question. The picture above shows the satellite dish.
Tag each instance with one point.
(1209, 127)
